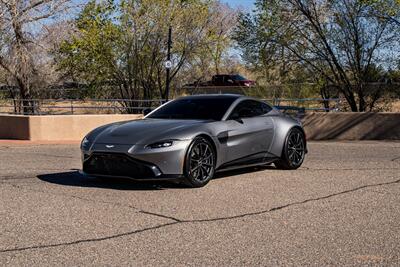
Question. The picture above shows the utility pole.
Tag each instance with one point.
(168, 63)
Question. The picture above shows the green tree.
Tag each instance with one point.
(124, 44)
(91, 55)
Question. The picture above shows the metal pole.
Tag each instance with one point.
(167, 88)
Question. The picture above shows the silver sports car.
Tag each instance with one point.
(193, 137)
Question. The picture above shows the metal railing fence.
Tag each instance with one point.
(124, 106)
(76, 106)
(307, 104)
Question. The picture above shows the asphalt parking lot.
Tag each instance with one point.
(342, 207)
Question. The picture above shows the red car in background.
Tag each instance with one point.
(225, 80)
(231, 80)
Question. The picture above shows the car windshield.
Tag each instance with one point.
(194, 108)
(238, 78)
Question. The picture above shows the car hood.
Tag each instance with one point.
(145, 131)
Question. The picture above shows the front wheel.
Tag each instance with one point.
(293, 152)
(199, 163)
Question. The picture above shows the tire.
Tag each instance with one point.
(200, 160)
(293, 152)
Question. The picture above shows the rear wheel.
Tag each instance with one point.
(199, 163)
(293, 152)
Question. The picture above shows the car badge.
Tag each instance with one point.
(110, 146)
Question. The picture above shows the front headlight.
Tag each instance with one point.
(85, 143)
(161, 144)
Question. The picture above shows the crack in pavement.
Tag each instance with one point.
(72, 196)
(162, 216)
(117, 204)
(396, 158)
(89, 240)
(178, 221)
(296, 203)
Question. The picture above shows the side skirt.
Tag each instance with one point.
(251, 163)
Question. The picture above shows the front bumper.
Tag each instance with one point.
(169, 160)
(122, 165)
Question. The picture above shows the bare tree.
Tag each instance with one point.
(347, 41)
(341, 41)
(223, 20)
(20, 23)
(214, 54)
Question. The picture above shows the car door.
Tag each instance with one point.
(218, 80)
(250, 132)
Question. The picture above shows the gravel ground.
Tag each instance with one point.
(340, 208)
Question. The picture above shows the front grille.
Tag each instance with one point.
(111, 164)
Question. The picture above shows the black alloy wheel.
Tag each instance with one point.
(199, 163)
(293, 152)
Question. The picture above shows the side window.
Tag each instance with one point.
(249, 109)
(218, 78)
(228, 79)
(266, 108)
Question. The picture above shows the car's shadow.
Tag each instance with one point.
(74, 178)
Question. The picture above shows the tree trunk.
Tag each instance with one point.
(361, 102)
(351, 101)
(324, 92)
(28, 107)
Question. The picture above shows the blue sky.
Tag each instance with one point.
(247, 4)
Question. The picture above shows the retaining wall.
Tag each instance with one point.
(54, 128)
(318, 126)
(352, 126)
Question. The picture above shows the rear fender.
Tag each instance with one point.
(283, 125)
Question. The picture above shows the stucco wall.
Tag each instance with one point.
(318, 126)
(352, 126)
(52, 128)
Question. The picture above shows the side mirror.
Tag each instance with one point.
(147, 111)
(236, 117)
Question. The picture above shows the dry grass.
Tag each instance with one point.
(395, 106)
